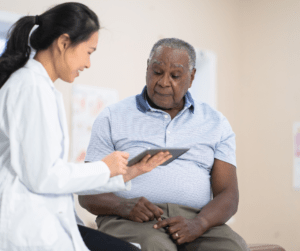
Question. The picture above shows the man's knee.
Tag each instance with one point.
(214, 244)
(221, 238)
(158, 243)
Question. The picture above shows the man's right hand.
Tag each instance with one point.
(117, 163)
(139, 210)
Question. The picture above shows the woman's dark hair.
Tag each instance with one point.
(74, 19)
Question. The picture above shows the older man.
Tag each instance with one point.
(170, 208)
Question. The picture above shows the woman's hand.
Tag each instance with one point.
(117, 163)
(146, 165)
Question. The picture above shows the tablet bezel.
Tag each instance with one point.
(175, 152)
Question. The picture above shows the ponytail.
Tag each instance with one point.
(17, 51)
(74, 19)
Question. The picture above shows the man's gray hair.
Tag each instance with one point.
(175, 43)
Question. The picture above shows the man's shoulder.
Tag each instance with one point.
(206, 110)
(125, 104)
(119, 110)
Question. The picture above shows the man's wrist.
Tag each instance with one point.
(203, 225)
(121, 207)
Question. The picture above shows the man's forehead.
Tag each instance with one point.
(177, 57)
(176, 65)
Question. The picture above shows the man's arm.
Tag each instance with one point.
(101, 204)
(136, 209)
(225, 196)
(216, 212)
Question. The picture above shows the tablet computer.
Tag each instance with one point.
(175, 152)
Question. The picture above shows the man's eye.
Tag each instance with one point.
(175, 76)
(157, 73)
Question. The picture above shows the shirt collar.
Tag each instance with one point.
(143, 106)
(38, 68)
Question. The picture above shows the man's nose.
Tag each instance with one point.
(165, 80)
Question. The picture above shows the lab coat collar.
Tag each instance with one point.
(38, 68)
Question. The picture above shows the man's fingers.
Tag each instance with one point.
(150, 215)
(167, 222)
(160, 213)
(163, 223)
(137, 219)
(155, 210)
(180, 240)
(174, 229)
(145, 215)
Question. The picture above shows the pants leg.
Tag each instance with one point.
(97, 241)
(219, 238)
(149, 238)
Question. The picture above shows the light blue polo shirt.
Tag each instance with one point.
(132, 125)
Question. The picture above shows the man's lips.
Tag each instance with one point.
(163, 94)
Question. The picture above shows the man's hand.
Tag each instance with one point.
(117, 162)
(140, 210)
(181, 230)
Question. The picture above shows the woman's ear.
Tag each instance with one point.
(63, 42)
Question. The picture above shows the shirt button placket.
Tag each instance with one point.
(166, 130)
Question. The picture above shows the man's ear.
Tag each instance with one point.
(63, 42)
(192, 76)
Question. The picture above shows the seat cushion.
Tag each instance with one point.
(265, 247)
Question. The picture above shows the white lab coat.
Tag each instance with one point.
(36, 181)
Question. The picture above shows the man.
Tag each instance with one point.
(171, 207)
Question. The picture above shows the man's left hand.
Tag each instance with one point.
(181, 230)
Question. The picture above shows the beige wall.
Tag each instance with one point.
(268, 100)
(256, 43)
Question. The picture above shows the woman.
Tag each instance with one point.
(36, 182)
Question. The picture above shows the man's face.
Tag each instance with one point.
(168, 77)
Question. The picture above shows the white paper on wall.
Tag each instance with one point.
(296, 155)
(87, 103)
(204, 86)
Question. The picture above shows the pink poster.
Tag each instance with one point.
(296, 155)
(87, 103)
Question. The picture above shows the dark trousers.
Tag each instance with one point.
(98, 241)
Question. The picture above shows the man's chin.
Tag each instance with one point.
(162, 107)
(158, 104)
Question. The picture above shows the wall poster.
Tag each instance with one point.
(87, 103)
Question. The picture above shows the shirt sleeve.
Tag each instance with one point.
(35, 142)
(101, 143)
(225, 149)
